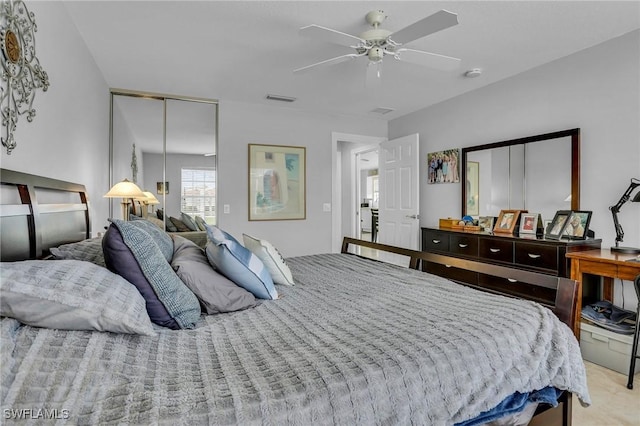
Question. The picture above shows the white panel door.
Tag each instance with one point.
(399, 205)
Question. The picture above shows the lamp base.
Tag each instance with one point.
(626, 250)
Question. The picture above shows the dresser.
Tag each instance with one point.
(521, 255)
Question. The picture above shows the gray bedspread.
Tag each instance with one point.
(354, 342)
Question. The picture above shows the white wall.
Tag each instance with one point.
(597, 89)
(69, 136)
(242, 124)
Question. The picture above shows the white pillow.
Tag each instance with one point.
(271, 257)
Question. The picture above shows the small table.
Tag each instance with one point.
(604, 263)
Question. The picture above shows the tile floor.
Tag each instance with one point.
(612, 404)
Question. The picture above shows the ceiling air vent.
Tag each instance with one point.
(281, 98)
(382, 111)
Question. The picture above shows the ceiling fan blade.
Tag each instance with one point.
(331, 61)
(427, 59)
(332, 36)
(429, 25)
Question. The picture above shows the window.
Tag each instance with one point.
(199, 193)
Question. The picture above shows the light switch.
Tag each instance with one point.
(326, 207)
(227, 209)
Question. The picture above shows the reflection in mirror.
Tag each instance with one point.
(540, 174)
(174, 157)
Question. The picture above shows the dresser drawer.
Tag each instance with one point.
(496, 250)
(517, 288)
(465, 245)
(455, 274)
(433, 240)
(536, 256)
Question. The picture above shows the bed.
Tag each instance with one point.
(354, 341)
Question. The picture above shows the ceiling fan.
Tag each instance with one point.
(376, 43)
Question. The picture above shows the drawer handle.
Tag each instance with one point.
(463, 245)
(447, 266)
(511, 280)
(494, 250)
(534, 256)
(435, 241)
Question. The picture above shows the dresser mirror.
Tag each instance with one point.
(167, 146)
(538, 173)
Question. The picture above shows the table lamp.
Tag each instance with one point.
(616, 209)
(125, 190)
(148, 200)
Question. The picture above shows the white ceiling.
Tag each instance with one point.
(243, 50)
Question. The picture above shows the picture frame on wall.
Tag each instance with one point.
(577, 225)
(277, 182)
(507, 221)
(162, 188)
(556, 227)
(530, 223)
(443, 166)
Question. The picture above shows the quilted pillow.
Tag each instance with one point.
(202, 225)
(238, 264)
(71, 295)
(216, 292)
(179, 224)
(161, 238)
(271, 257)
(189, 221)
(132, 253)
(88, 250)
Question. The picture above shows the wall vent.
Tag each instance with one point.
(280, 98)
(382, 111)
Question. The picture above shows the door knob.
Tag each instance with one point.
(413, 216)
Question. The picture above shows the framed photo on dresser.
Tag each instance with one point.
(556, 227)
(507, 221)
(530, 223)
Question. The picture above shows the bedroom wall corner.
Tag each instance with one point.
(69, 136)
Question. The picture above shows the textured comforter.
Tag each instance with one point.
(354, 342)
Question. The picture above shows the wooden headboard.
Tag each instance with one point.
(37, 213)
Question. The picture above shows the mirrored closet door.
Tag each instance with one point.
(167, 145)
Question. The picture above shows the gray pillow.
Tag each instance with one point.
(89, 250)
(216, 293)
(71, 295)
(161, 238)
(189, 221)
(202, 225)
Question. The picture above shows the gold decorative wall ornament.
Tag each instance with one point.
(21, 72)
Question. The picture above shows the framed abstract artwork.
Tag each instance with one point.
(277, 182)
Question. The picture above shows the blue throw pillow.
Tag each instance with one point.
(238, 264)
(131, 252)
(189, 221)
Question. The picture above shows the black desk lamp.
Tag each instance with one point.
(615, 209)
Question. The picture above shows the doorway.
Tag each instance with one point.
(367, 194)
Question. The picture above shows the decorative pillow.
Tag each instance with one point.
(238, 264)
(271, 257)
(88, 250)
(216, 292)
(202, 225)
(157, 222)
(71, 295)
(170, 226)
(180, 225)
(161, 238)
(160, 214)
(132, 253)
(189, 221)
